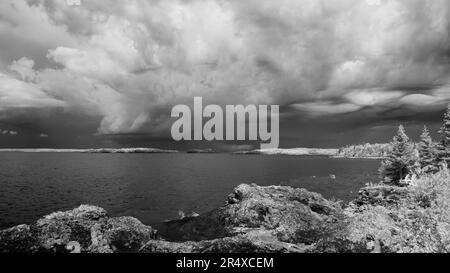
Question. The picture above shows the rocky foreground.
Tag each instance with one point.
(254, 219)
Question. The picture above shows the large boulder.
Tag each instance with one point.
(381, 195)
(289, 214)
(127, 233)
(17, 239)
(255, 241)
(83, 229)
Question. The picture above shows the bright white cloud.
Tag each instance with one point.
(24, 67)
(421, 101)
(15, 93)
(326, 108)
(369, 97)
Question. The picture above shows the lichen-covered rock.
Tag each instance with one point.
(381, 195)
(246, 243)
(161, 246)
(56, 230)
(289, 214)
(17, 239)
(127, 233)
(345, 245)
(83, 229)
(254, 220)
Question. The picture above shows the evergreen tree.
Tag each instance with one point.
(444, 144)
(427, 153)
(400, 161)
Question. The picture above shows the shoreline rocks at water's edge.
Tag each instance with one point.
(254, 219)
(83, 229)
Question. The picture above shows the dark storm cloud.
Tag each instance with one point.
(124, 64)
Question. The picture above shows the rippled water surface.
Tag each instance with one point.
(154, 187)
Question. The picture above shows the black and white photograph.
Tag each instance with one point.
(244, 127)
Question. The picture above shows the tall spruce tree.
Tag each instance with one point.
(427, 153)
(444, 143)
(400, 160)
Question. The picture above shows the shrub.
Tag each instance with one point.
(419, 223)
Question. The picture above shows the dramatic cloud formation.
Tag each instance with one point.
(128, 62)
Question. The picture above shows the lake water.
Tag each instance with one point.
(154, 187)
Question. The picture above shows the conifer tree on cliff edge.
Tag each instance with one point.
(400, 160)
(428, 162)
(444, 143)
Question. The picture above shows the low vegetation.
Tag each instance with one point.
(415, 217)
(418, 223)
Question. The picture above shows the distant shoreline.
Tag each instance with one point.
(331, 153)
(359, 157)
(292, 152)
(93, 151)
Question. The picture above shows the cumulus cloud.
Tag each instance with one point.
(129, 62)
(15, 93)
(24, 68)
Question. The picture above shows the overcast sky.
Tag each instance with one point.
(106, 73)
